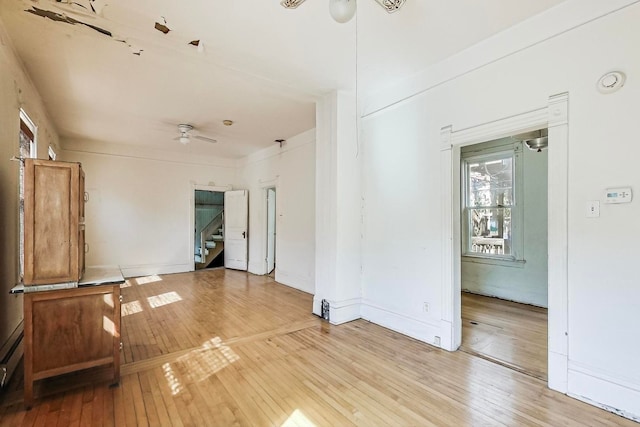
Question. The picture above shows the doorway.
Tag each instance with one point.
(208, 239)
(271, 231)
(555, 117)
(504, 223)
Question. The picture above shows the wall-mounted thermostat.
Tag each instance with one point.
(618, 195)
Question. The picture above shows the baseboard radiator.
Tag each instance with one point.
(10, 354)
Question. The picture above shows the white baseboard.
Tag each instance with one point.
(344, 311)
(150, 269)
(425, 331)
(557, 365)
(339, 311)
(616, 395)
(446, 335)
(297, 281)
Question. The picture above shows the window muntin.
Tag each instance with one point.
(489, 205)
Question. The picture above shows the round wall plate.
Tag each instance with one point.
(611, 81)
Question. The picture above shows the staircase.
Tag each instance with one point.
(211, 242)
(213, 248)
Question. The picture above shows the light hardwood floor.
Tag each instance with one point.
(505, 332)
(236, 349)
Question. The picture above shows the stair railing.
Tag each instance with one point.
(208, 230)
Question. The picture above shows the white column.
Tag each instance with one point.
(338, 208)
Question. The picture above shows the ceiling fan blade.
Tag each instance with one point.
(205, 138)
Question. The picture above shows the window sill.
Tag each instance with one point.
(503, 262)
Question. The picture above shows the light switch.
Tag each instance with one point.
(593, 209)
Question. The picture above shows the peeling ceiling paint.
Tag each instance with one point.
(264, 66)
(58, 17)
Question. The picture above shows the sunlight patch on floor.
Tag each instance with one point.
(172, 379)
(147, 279)
(132, 307)
(199, 364)
(298, 419)
(163, 299)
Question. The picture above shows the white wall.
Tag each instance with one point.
(291, 169)
(511, 74)
(527, 282)
(401, 243)
(139, 213)
(16, 91)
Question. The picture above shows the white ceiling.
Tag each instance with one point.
(262, 66)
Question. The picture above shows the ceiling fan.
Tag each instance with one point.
(343, 10)
(185, 135)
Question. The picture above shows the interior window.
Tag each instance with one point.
(490, 189)
(491, 217)
(27, 137)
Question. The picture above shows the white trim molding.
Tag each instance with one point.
(555, 117)
(547, 25)
(129, 271)
(339, 311)
(557, 256)
(604, 390)
(420, 329)
(259, 266)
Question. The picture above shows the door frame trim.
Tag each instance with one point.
(264, 185)
(266, 228)
(554, 117)
(192, 215)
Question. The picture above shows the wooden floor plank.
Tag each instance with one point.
(247, 352)
(505, 332)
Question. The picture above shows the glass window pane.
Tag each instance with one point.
(25, 145)
(490, 182)
(490, 231)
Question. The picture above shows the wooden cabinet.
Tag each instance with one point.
(68, 330)
(69, 323)
(53, 222)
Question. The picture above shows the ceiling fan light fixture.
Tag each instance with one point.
(184, 139)
(291, 4)
(391, 5)
(342, 10)
(184, 128)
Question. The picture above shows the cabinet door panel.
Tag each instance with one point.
(51, 222)
(72, 327)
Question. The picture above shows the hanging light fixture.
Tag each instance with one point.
(343, 10)
(539, 141)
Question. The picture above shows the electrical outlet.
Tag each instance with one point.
(425, 307)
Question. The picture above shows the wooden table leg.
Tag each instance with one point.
(118, 335)
(28, 351)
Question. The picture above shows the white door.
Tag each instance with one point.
(271, 229)
(236, 209)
